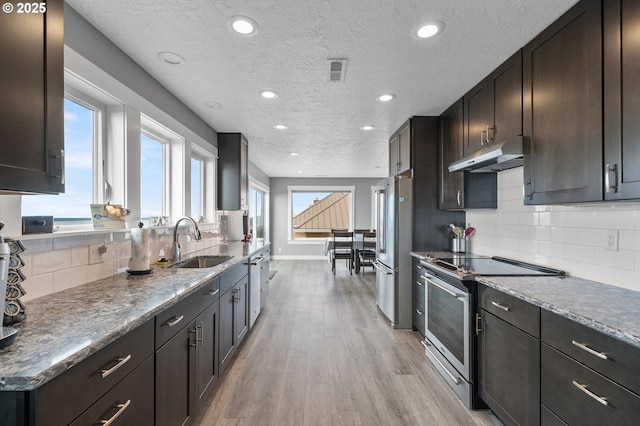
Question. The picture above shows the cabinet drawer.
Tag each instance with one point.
(72, 392)
(516, 312)
(230, 277)
(130, 402)
(171, 320)
(610, 357)
(418, 286)
(547, 418)
(205, 295)
(418, 316)
(562, 379)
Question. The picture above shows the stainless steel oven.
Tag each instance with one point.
(449, 341)
(447, 333)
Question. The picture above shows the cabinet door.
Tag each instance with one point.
(232, 171)
(404, 148)
(621, 99)
(241, 314)
(562, 74)
(394, 154)
(175, 377)
(509, 371)
(227, 335)
(451, 140)
(32, 107)
(505, 116)
(206, 367)
(477, 115)
(244, 173)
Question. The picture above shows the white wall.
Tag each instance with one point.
(280, 247)
(571, 238)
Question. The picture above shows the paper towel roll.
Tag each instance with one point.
(235, 225)
(139, 260)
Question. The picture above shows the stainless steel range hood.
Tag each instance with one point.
(494, 158)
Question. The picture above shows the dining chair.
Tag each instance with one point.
(367, 254)
(342, 249)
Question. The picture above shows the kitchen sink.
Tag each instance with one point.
(202, 261)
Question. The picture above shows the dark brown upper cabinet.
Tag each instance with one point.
(461, 190)
(400, 150)
(621, 99)
(32, 104)
(562, 76)
(493, 108)
(233, 172)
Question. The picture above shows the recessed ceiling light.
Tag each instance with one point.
(171, 58)
(280, 127)
(428, 29)
(293, 154)
(269, 94)
(367, 127)
(299, 171)
(386, 97)
(213, 105)
(243, 25)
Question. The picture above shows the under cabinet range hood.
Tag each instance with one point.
(494, 158)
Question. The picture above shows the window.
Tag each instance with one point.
(315, 211)
(197, 182)
(152, 166)
(82, 130)
(258, 208)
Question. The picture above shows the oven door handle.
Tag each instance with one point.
(443, 288)
(456, 380)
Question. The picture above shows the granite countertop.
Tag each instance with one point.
(612, 310)
(64, 328)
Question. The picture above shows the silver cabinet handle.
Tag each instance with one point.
(381, 269)
(478, 328)
(195, 342)
(200, 336)
(588, 349)
(419, 312)
(443, 288)
(482, 137)
(601, 399)
(419, 283)
(456, 380)
(213, 292)
(608, 168)
(120, 362)
(489, 138)
(500, 306)
(63, 173)
(174, 322)
(121, 408)
(459, 197)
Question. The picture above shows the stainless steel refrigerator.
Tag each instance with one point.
(394, 201)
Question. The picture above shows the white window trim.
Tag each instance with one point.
(294, 188)
(259, 186)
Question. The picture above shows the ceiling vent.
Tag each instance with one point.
(337, 69)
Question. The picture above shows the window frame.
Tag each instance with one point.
(316, 188)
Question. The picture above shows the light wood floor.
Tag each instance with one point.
(322, 354)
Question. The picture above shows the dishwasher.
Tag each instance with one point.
(258, 284)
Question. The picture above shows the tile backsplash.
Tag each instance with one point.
(56, 262)
(570, 237)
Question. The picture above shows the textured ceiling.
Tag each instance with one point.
(289, 55)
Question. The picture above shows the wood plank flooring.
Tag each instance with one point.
(322, 354)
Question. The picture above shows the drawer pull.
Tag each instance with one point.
(121, 361)
(121, 408)
(419, 312)
(443, 288)
(419, 283)
(588, 349)
(601, 399)
(500, 306)
(456, 380)
(214, 292)
(175, 321)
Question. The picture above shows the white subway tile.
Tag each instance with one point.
(615, 219)
(540, 233)
(629, 240)
(626, 279)
(622, 259)
(551, 249)
(80, 256)
(100, 271)
(37, 286)
(564, 235)
(579, 253)
(51, 261)
(69, 278)
(595, 272)
(591, 237)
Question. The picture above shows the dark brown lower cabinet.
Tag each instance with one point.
(579, 395)
(130, 402)
(175, 376)
(207, 351)
(509, 371)
(234, 320)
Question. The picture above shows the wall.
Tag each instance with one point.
(571, 238)
(280, 247)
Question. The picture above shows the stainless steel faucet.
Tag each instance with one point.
(177, 250)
